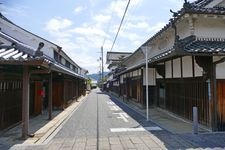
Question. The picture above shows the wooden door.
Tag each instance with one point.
(221, 104)
(57, 94)
(38, 87)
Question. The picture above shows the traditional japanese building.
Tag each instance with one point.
(35, 74)
(186, 65)
(114, 59)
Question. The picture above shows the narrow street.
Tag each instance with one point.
(102, 122)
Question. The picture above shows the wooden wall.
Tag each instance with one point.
(181, 95)
(221, 104)
(67, 89)
(57, 94)
(10, 102)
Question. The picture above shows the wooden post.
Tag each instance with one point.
(214, 103)
(25, 102)
(50, 97)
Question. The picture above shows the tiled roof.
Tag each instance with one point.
(201, 3)
(162, 55)
(116, 56)
(203, 46)
(197, 7)
(194, 45)
(20, 54)
(12, 53)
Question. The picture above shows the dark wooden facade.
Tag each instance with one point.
(64, 91)
(181, 95)
(67, 89)
(221, 104)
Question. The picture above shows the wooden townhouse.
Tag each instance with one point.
(186, 64)
(35, 74)
(114, 59)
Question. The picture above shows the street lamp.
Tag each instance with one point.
(145, 51)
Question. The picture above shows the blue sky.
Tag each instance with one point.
(81, 26)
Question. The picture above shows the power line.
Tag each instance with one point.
(120, 25)
(109, 24)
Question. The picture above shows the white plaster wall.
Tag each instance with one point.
(183, 29)
(198, 70)
(210, 27)
(5, 41)
(168, 69)
(25, 37)
(151, 76)
(121, 79)
(135, 59)
(135, 73)
(176, 68)
(158, 76)
(63, 61)
(220, 68)
(162, 43)
(220, 71)
(222, 4)
(187, 66)
(130, 74)
(48, 51)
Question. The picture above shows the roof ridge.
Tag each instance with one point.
(18, 44)
(201, 3)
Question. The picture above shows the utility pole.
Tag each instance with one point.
(145, 51)
(102, 64)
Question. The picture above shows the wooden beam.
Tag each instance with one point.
(40, 71)
(25, 102)
(50, 97)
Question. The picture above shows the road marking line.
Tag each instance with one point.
(135, 129)
(114, 108)
(123, 116)
(110, 103)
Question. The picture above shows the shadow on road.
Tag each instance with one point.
(171, 140)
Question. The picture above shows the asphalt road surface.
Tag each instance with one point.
(103, 122)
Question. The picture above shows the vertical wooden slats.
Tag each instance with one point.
(183, 94)
(38, 99)
(221, 104)
(10, 102)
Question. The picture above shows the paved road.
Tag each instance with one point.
(105, 123)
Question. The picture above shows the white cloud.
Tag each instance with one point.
(156, 27)
(137, 25)
(82, 42)
(89, 31)
(78, 9)
(19, 10)
(102, 18)
(117, 7)
(57, 23)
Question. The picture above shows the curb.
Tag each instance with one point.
(53, 126)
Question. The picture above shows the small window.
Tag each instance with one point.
(56, 56)
(67, 64)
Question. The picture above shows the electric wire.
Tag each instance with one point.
(120, 25)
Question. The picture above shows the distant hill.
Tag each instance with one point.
(96, 76)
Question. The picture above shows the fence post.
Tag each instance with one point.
(195, 120)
